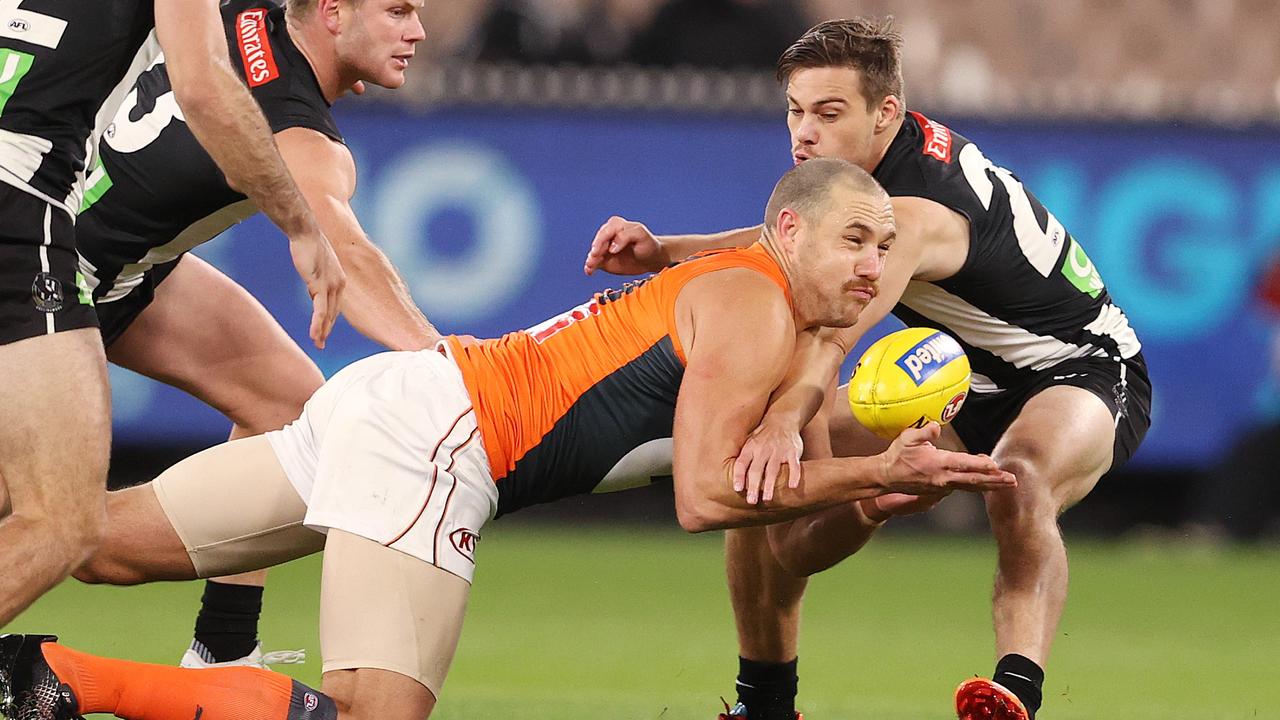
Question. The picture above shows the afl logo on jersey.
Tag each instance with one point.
(937, 138)
(255, 48)
(19, 25)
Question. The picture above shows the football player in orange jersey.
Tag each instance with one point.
(397, 462)
(978, 256)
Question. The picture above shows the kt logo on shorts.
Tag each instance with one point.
(464, 541)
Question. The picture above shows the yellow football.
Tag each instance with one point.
(908, 378)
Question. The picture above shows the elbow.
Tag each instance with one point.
(205, 89)
(196, 100)
(702, 516)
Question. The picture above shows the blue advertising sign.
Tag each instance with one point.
(488, 214)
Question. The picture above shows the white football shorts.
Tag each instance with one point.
(389, 449)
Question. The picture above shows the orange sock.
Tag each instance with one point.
(142, 691)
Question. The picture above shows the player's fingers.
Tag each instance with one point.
(605, 235)
(755, 476)
(318, 311)
(596, 253)
(921, 435)
(794, 469)
(979, 481)
(332, 306)
(740, 471)
(770, 480)
(971, 463)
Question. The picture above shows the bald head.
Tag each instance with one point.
(806, 188)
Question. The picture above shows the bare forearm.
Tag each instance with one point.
(679, 247)
(807, 385)
(827, 483)
(377, 302)
(819, 541)
(228, 123)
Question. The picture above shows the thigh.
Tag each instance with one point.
(383, 610)
(234, 510)
(206, 335)
(1059, 445)
(41, 292)
(55, 423)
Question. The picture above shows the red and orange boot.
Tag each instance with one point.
(983, 699)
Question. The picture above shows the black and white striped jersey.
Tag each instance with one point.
(1027, 297)
(154, 192)
(59, 63)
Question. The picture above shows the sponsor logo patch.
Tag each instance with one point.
(46, 291)
(937, 138)
(464, 541)
(255, 49)
(928, 357)
(310, 701)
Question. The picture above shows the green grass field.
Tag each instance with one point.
(597, 623)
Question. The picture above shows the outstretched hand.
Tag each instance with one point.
(624, 247)
(913, 465)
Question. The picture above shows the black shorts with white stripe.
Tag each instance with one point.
(40, 289)
(1122, 385)
(117, 315)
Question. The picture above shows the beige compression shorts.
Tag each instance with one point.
(396, 580)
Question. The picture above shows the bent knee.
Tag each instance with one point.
(67, 539)
(100, 568)
(272, 407)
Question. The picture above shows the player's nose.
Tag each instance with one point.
(869, 267)
(417, 33)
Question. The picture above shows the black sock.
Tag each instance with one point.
(227, 625)
(1023, 678)
(768, 690)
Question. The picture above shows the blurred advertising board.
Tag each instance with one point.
(488, 215)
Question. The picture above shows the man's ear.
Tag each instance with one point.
(890, 109)
(330, 12)
(789, 226)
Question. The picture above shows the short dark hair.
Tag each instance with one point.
(806, 188)
(301, 8)
(872, 47)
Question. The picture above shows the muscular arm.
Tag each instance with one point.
(679, 247)
(802, 392)
(376, 301)
(229, 125)
(626, 247)
(738, 336)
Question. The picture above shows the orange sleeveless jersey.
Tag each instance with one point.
(561, 403)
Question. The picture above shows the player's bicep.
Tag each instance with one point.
(325, 173)
(323, 167)
(741, 348)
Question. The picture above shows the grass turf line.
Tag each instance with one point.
(634, 623)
